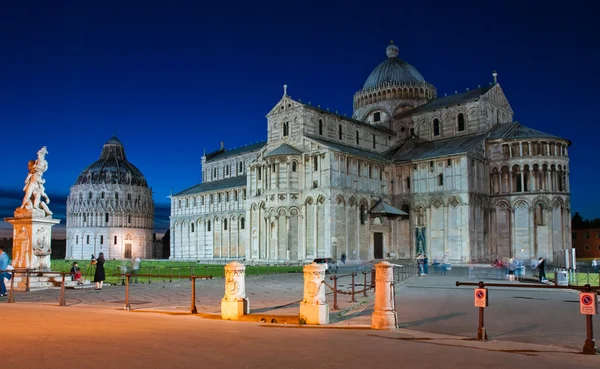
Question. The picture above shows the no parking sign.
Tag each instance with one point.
(588, 303)
(481, 297)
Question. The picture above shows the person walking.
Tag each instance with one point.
(3, 272)
(99, 276)
(595, 265)
(420, 264)
(542, 269)
(135, 269)
(425, 265)
(343, 258)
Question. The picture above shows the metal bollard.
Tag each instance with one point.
(170, 274)
(127, 304)
(365, 290)
(62, 301)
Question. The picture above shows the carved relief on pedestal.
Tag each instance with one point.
(21, 249)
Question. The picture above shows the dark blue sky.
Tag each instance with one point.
(175, 78)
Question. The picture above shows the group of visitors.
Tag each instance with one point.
(423, 264)
(99, 273)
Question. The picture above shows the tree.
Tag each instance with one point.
(577, 220)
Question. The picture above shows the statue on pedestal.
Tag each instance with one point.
(33, 221)
(34, 185)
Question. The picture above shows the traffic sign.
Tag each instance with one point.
(481, 297)
(588, 303)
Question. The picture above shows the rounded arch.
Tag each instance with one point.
(282, 211)
(521, 202)
(558, 202)
(352, 201)
(501, 203)
(435, 202)
(454, 201)
(309, 201)
(339, 199)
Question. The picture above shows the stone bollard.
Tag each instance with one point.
(314, 308)
(384, 314)
(235, 303)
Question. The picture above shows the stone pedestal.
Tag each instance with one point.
(384, 315)
(314, 308)
(31, 239)
(235, 303)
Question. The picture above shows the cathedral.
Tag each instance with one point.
(410, 172)
(110, 209)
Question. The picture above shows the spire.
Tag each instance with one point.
(495, 74)
(284, 90)
(392, 50)
(222, 145)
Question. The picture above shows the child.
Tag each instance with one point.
(78, 276)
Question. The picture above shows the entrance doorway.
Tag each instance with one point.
(127, 251)
(378, 245)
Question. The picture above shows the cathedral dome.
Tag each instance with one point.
(393, 71)
(112, 167)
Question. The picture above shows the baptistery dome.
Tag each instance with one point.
(112, 167)
(110, 209)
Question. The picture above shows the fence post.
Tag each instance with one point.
(335, 305)
(62, 301)
(193, 308)
(365, 275)
(27, 282)
(127, 305)
(353, 299)
(11, 296)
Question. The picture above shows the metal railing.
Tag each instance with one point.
(192, 277)
(589, 347)
(352, 292)
(28, 272)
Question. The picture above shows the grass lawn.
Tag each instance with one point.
(167, 268)
(581, 279)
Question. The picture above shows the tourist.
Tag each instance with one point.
(3, 271)
(77, 276)
(343, 258)
(420, 264)
(471, 270)
(425, 264)
(542, 269)
(73, 270)
(135, 269)
(595, 265)
(99, 275)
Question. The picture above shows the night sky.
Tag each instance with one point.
(174, 78)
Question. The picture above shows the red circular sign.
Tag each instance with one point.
(587, 300)
(480, 294)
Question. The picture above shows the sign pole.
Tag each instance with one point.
(589, 348)
(481, 334)
(589, 307)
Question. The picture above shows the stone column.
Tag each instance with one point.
(384, 315)
(314, 308)
(235, 303)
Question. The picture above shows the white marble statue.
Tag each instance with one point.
(34, 184)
